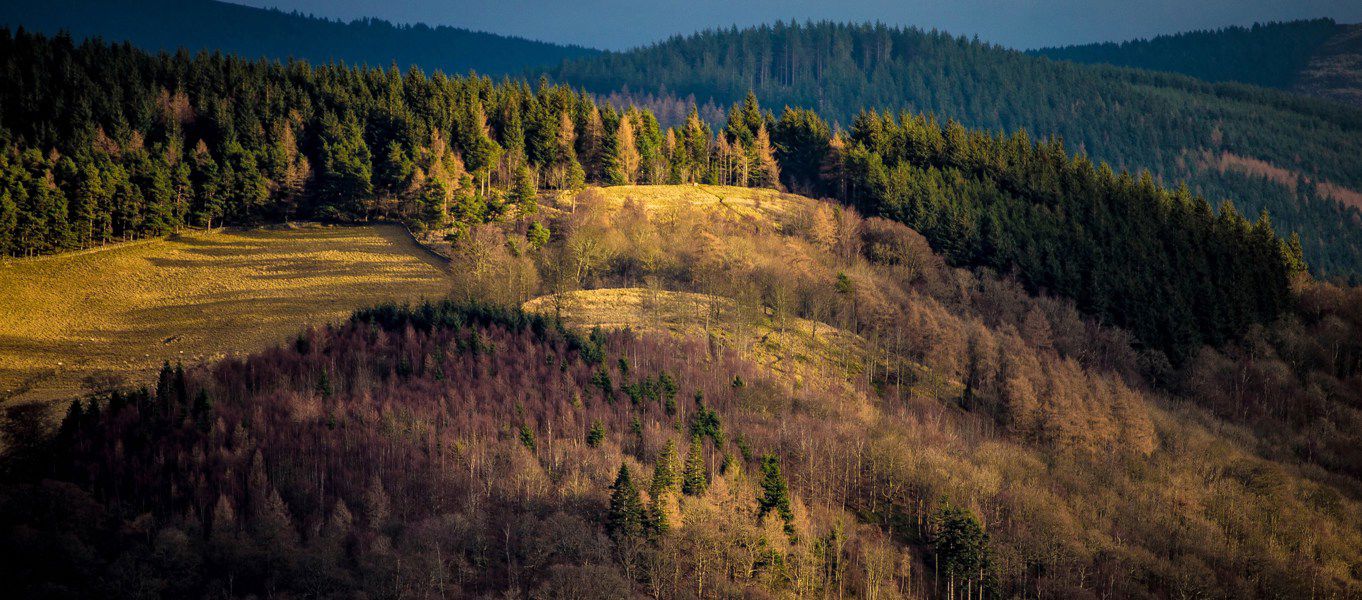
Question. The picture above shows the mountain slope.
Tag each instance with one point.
(1269, 55)
(1135, 119)
(252, 33)
(1335, 72)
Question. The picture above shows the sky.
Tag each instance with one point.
(622, 24)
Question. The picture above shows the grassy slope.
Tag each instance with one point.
(121, 311)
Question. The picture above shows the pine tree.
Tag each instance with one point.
(775, 492)
(525, 194)
(345, 173)
(626, 517)
(572, 174)
(695, 478)
(667, 471)
(960, 543)
(695, 144)
(596, 435)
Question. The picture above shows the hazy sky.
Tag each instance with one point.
(617, 24)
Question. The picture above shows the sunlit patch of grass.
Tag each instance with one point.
(761, 206)
(117, 313)
(793, 349)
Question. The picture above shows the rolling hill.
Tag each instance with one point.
(1264, 149)
(209, 25)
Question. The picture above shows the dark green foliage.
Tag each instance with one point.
(202, 411)
(602, 380)
(960, 543)
(695, 476)
(1270, 55)
(775, 492)
(626, 517)
(524, 194)
(705, 422)
(666, 473)
(527, 437)
(1161, 263)
(596, 434)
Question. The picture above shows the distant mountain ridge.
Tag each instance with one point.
(269, 33)
(1318, 57)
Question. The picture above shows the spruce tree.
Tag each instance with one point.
(666, 474)
(596, 435)
(626, 517)
(695, 479)
(525, 195)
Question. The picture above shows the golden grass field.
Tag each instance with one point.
(789, 351)
(760, 205)
(118, 312)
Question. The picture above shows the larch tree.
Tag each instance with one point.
(626, 148)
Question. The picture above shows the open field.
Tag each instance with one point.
(117, 313)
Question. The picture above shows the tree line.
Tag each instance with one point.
(104, 143)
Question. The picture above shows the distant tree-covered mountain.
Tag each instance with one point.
(254, 33)
(1269, 55)
(1296, 157)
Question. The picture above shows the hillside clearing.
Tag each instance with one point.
(794, 351)
(94, 318)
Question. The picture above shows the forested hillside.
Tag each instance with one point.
(212, 26)
(1264, 149)
(1269, 55)
(961, 435)
(129, 144)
